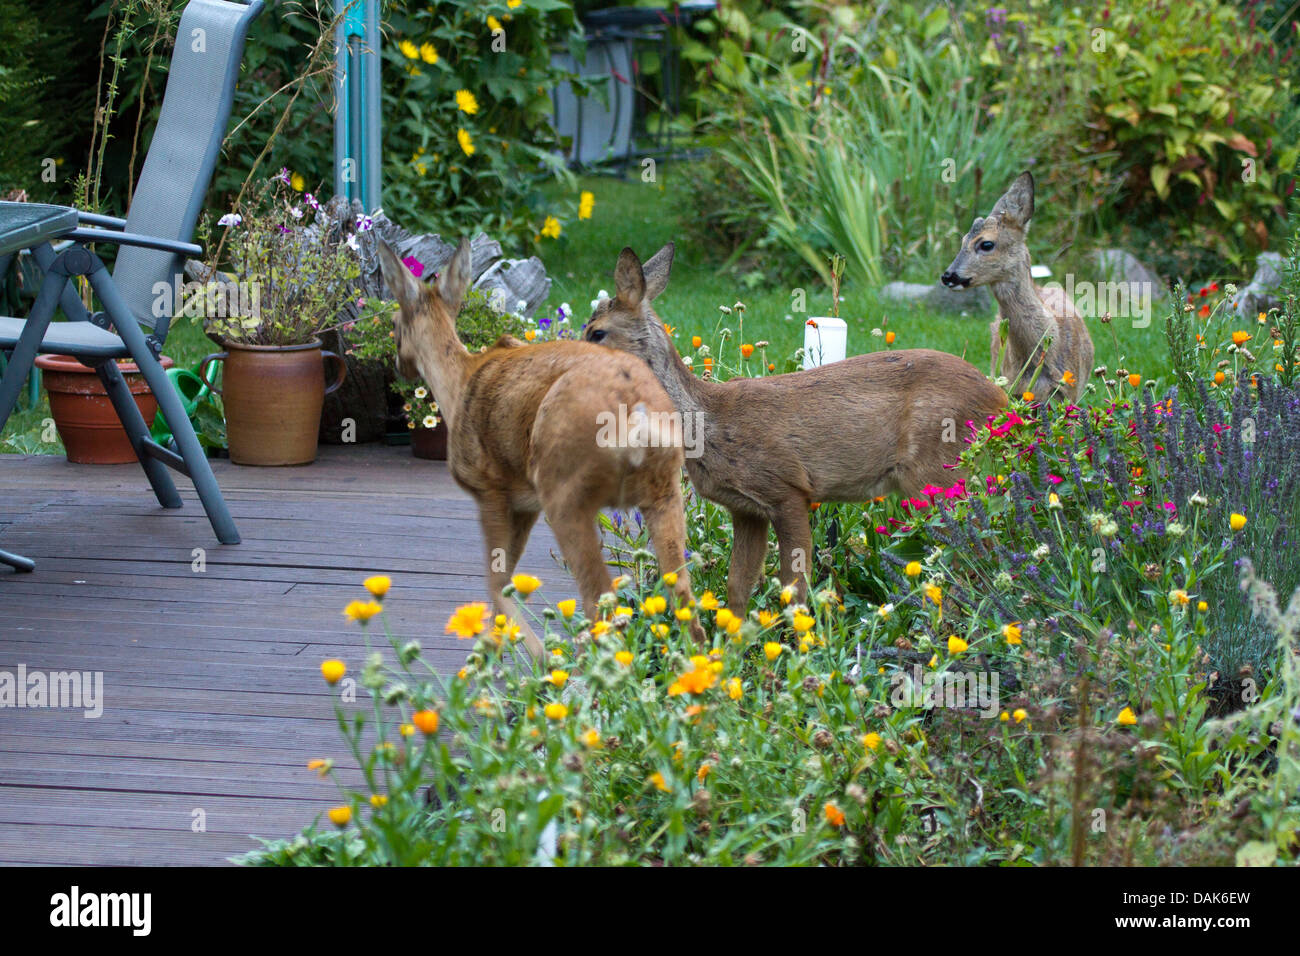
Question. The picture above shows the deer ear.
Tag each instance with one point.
(629, 279)
(398, 280)
(656, 271)
(455, 278)
(1016, 207)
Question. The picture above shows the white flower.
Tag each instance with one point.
(1002, 580)
(520, 306)
(724, 310)
(295, 212)
(230, 219)
(1175, 529)
(876, 333)
(565, 311)
(1199, 499)
(421, 391)
(885, 610)
(352, 243)
(1041, 552)
(365, 223)
(430, 421)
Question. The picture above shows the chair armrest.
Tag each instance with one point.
(132, 239)
(95, 219)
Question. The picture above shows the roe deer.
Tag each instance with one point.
(994, 253)
(525, 436)
(848, 431)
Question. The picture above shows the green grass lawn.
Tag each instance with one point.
(643, 216)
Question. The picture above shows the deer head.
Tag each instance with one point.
(627, 321)
(427, 311)
(994, 250)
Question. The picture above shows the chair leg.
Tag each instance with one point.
(17, 561)
(136, 429)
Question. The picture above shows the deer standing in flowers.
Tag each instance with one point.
(1047, 341)
(526, 435)
(847, 431)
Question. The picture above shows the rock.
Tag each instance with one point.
(938, 297)
(1118, 265)
(1264, 291)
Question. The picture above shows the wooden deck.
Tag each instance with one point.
(213, 699)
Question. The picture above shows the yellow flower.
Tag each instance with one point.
(558, 678)
(683, 614)
(1012, 633)
(624, 658)
(340, 816)
(708, 602)
(378, 800)
(1020, 714)
(567, 608)
(934, 593)
(1237, 521)
(362, 610)
(1126, 717)
(1179, 597)
(426, 720)
(913, 569)
(513, 4)
(1004, 716)
(871, 741)
(494, 24)
(409, 50)
(803, 622)
(333, 670)
(551, 228)
(695, 681)
(427, 53)
(525, 584)
(586, 202)
(655, 604)
(766, 618)
(466, 142)
(956, 645)
(735, 689)
(466, 102)
(378, 585)
(406, 730)
(670, 578)
(322, 767)
(591, 739)
(468, 621)
(660, 783)
(297, 182)
(1202, 606)
(556, 711)
(787, 594)
(772, 649)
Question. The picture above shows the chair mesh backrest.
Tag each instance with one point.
(183, 153)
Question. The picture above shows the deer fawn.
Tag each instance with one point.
(1045, 335)
(848, 431)
(526, 436)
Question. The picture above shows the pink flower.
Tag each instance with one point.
(414, 264)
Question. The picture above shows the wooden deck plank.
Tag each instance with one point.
(212, 688)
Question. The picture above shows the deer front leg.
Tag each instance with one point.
(499, 538)
(667, 524)
(795, 538)
(748, 551)
(574, 527)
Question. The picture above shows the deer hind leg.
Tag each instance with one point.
(501, 535)
(748, 551)
(573, 522)
(666, 520)
(795, 537)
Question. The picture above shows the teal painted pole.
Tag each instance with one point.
(357, 126)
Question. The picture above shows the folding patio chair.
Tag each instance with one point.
(154, 240)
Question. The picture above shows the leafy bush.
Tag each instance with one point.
(1183, 100)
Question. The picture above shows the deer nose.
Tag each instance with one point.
(953, 281)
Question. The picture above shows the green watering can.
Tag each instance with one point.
(193, 392)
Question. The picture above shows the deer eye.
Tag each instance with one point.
(986, 245)
(595, 335)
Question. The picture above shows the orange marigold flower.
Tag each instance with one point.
(834, 815)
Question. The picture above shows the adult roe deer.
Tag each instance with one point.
(525, 436)
(994, 253)
(848, 431)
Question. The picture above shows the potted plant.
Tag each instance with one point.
(291, 277)
(92, 433)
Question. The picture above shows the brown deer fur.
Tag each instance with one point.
(994, 253)
(866, 426)
(524, 423)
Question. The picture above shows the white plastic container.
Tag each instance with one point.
(825, 340)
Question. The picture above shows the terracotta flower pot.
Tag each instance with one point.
(273, 397)
(430, 443)
(83, 413)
